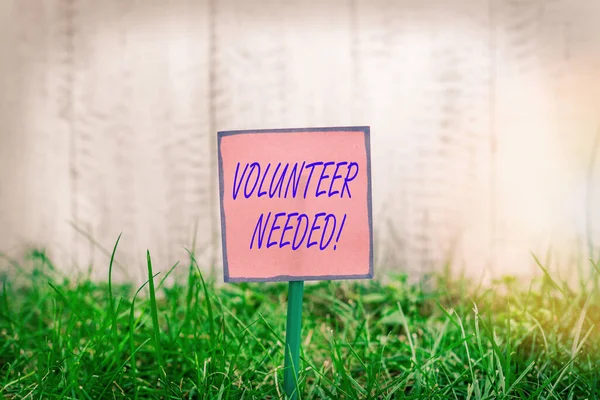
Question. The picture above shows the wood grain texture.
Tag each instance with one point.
(34, 137)
(482, 114)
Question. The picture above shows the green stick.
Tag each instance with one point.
(292, 338)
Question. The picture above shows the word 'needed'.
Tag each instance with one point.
(299, 224)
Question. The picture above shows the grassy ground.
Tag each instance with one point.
(367, 339)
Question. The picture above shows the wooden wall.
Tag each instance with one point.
(482, 112)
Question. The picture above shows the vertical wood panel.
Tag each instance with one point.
(140, 131)
(423, 70)
(34, 142)
(540, 115)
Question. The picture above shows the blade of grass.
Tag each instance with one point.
(154, 313)
(162, 281)
(132, 337)
(519, 378)
(111, 311)
(469, 360)
(119, 370)
(547, 275)
(595, 266)
(62, 296)
(209, 310)
(558, 373)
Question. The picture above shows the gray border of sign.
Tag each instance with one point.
(286, 278)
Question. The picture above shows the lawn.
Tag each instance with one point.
(379, 339)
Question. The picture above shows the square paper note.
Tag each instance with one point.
(296, 204)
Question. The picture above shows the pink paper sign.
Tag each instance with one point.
(296, 204)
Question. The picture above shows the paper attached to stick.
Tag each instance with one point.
(296, 204)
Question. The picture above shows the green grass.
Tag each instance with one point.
(360, 339)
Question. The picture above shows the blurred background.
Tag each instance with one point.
(483, 118)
